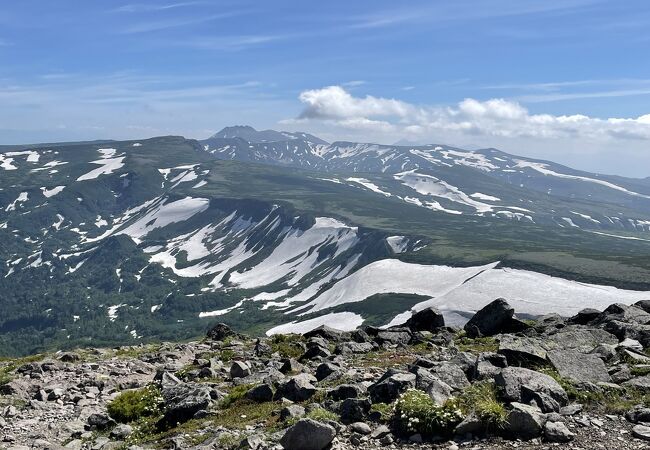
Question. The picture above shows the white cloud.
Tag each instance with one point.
(493, 118)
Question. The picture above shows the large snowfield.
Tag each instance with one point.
(459, 292)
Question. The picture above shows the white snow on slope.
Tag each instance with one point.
(528, 293)
(22, 197)
(485, 197)
(345, 321)
(369, 185)
(164, 214)
(392, 276)
(586, 217)
(432, 186)
(459, 292)
(543, 168)
(629, 238)
(569, 221)
(296, 255)
(470, 159)
(7, 159)
(52, 192)
(108, 164)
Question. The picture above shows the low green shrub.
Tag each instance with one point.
(416, 412)
(482, 400)
(322, 415)
(235, 394)
(287, 345)
(131, 406)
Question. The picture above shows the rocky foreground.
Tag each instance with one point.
(580, 382)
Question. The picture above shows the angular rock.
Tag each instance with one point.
(308, 434)
(585, 316)
(343, 391)
(260, 394)
(579, 366)
(297, 388)
(314, 352)
(354, 409)
(494, 318)
(581, 339)
(428, 319)
(394, 336)
(290, 365)
(325, 332)
(557, 432)
(638, 414)
(100, 422)
(522, 349)
(326, 369)
(240, 369)
(389, 389)
(185, 400)
(640, 383)
(451, 374)
(439, 391)
(470, 426)
(511, 380)
(353, 348)
(524, 421)
(644, 305)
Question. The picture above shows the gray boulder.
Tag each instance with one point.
(524, 421)
(579, 366)
(239, 369)
(638, 414)
(557, 432)
(451, 374)
(184, 400)
(308, 434)
(297, 388)
(388, 389)
(522, 349)
(641, 432)
(353, 348)
(511, 380)
(327, 333)
(394, 336)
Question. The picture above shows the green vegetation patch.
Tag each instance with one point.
(287, 345)
(482, 399)
(131, 406)
(416, 412)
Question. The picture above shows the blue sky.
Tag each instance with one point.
(564, 80)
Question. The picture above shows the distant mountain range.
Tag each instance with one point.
(113, 242)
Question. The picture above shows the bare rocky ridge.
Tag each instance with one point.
(583, 382)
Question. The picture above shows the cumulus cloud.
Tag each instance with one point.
(470, 117)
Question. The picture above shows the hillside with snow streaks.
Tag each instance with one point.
(124, 242)
(455, 181)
